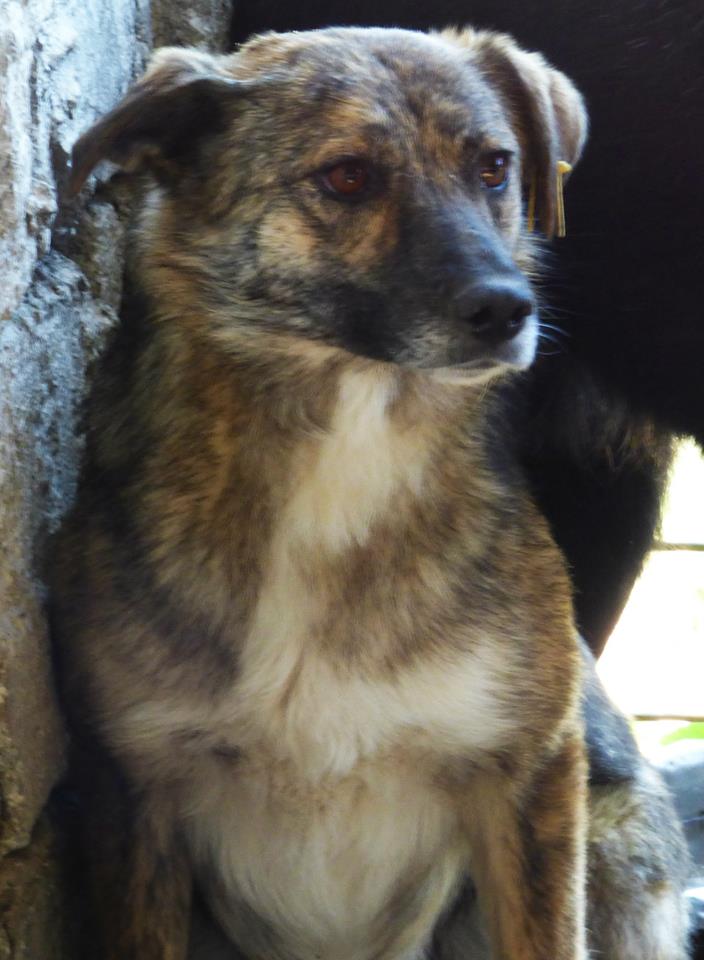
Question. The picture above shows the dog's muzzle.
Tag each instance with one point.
(496, 329)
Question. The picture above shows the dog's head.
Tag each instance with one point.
(349, 188)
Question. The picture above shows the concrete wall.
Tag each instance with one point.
(62, 64)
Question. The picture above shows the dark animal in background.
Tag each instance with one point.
(593, 422)
(316, 641)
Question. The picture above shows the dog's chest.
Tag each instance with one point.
(350, 868)
(331, 836)
(316, 682)
(329, 829)
(311, 688)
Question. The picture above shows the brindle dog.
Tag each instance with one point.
(317, 641)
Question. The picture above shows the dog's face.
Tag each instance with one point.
(358, 189)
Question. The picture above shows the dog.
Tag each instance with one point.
(317, 644)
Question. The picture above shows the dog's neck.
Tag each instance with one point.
(373, 454)
(325, 446)
(330, 397)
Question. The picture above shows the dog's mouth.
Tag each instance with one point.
(491, 360)
(474, 372)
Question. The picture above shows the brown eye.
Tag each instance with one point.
(493, 171)
(347, 179)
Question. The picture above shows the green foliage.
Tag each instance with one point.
(692, 731)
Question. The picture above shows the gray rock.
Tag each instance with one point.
(44, 352)
(63, 63)
(36, 922)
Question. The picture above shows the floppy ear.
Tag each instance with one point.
(548, 113)
(160, 121)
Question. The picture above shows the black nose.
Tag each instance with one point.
(495, 310)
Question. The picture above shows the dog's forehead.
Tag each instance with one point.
(374, 76)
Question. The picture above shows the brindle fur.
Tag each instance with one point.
(323, 644)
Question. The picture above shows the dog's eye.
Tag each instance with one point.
(494, 168)
(346, 179)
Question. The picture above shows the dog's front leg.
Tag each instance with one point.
(529, 859)
(136, 873)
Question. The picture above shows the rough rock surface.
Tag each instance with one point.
(62, 64)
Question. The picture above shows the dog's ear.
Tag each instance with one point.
(548, 113)
(158, 125)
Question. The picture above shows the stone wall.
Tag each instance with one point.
(62, 64)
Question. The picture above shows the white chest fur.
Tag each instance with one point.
(350, 869)
(349, 477)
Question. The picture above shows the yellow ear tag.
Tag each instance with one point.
(563, 167)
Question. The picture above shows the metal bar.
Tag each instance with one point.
(694, 547)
